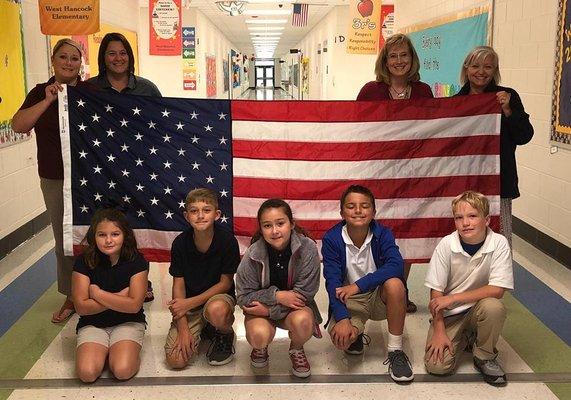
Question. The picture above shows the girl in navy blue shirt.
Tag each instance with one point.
(109, 283)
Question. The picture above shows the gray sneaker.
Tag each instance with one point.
(491, 371)
(400, 368)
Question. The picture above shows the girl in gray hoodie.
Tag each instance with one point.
(276, 282)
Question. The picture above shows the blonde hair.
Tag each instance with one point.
(479, 54)
(477, 200)
(202, 194)
(69, 42)
(381, 69)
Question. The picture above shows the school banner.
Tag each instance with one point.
(164, 27)
(387, 23)
(12, 74)
(442, 45)
(210, 76)
(561, 114)
(364, 27)
(69, 17)
(90, 48)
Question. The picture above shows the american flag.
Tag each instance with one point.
(299, 15)
(149, 152)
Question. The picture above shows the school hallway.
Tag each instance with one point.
(38, 357)
(233, 58)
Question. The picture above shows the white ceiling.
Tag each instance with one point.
(236, 29)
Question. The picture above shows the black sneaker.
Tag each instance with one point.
(400, 368)
(208, 332)
(491, 371)
(356, 348)
(221, 350)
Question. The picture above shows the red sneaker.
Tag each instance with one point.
(299, 364)
(259, 358)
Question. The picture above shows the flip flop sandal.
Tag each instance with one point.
(63, 315)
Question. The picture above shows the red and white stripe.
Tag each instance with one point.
(300, 19)
(415, 156)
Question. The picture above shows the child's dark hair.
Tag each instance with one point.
(92, 254)
(361, 190)
(276, 203)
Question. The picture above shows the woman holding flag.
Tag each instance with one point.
(396, 70)
(481, 74)
(40, 112)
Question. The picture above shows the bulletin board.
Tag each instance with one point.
(442, 45)
(561, 110)
(12, 71)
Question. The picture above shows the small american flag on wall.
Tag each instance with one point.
(299, 16)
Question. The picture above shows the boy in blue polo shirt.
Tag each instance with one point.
(363, 271)
(204, 259)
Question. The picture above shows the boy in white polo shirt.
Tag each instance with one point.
(468, 273)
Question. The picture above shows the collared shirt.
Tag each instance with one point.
(137, 86)
(360, 261)
(452, 270)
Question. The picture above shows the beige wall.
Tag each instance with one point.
(166, 72)
(334, 75)
(524, 36)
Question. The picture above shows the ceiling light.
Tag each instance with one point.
(266, 28)
(267, 12)
(258, 34)
(266, 21)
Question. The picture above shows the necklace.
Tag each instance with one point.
(399, 95)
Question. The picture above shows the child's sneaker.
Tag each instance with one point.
(299, 364)
(356, 348)
(400, 368)
(221, 350)
(259, 358)
(491, 371)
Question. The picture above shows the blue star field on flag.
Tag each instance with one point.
(145, 154)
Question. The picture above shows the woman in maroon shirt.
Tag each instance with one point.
(40, 111)
(398, 78)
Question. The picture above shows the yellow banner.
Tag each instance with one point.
(69, 17)
(364, 28)
(12, 74)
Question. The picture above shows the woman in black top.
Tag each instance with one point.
(481, 74)
(109, 282)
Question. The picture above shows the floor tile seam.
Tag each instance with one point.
(229, 380)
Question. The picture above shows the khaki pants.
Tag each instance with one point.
(196, 322)
(484, 322)
(363, 307)
(52, 190)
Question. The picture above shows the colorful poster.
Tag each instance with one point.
(305, 75)
(69, 17)
(12, 73)
(210, 76)
(561, 118)
(164, 27)
(364, 26)
(189, 58)
(90, 48)
(387, 23)
(440, 52)
(226, 73)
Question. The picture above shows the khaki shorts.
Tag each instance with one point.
(196, 321)
(363, 307)
(133, 331)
